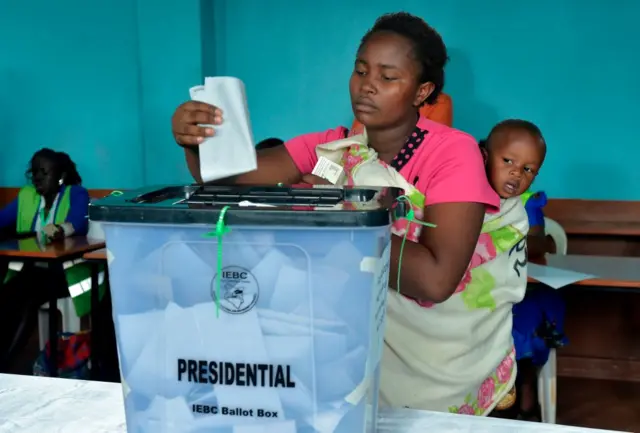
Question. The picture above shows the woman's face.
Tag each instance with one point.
(45, 176)
(384, 86)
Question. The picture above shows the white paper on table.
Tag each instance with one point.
(231, 150)
(554, 277)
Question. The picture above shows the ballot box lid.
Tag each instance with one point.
(291, 205)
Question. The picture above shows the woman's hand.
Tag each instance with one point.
(274, 165)
(53, 232)
(187, 118)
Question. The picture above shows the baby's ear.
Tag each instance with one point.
(483, 149)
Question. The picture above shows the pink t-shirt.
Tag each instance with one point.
(446, 165)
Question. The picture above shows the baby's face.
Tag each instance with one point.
(513, 161)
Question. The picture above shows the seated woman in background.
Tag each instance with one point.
(52, 206)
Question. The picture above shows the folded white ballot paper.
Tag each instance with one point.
(231, 150)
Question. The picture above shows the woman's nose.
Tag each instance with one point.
(368, 86)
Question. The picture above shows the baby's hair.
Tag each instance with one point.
(62, 163)
(269, 143)
(428, 46)
(512, 124)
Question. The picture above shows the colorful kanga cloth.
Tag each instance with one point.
(456, 356)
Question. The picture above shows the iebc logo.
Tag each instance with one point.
(239, 290)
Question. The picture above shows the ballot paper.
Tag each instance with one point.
(231, 150)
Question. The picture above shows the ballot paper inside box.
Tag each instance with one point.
(280, 329)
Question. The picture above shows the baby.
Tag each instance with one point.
(513, 153)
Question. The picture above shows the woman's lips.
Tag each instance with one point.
(364, 108)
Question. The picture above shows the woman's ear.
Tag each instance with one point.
(424, 91)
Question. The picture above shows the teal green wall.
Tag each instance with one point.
(100, 80)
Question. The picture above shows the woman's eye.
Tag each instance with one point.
(385, 78)
(362, 73)
(507, 161)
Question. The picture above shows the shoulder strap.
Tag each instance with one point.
(64, 204)
(28, 204)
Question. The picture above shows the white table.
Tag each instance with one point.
(35, 405)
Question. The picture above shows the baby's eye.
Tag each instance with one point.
(385, 78)
(507, 161)
(528, 170)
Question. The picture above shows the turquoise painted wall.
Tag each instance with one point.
(100, 80)
(570, 66)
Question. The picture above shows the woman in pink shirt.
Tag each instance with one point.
(399, 67)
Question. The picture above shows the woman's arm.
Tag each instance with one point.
(9, 215)
(457, 194)
(77, 221)
(274, 165)
(283, 164)
(433, 268)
